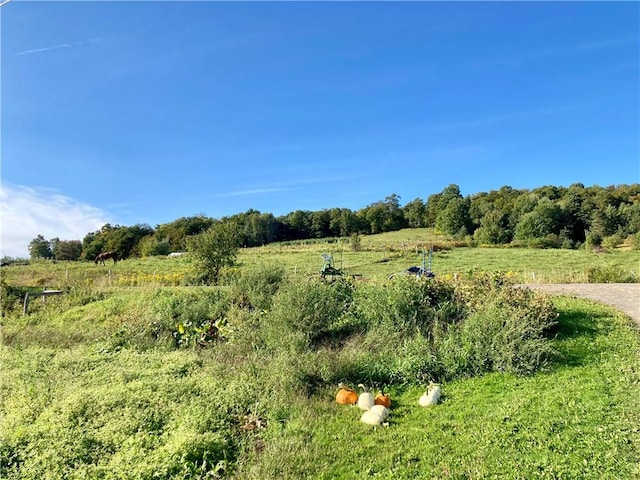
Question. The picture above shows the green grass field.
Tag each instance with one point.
(92, 386)
(85, 411)
(381, 255)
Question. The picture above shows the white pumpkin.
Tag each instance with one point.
(431, 396)
(365, 400)
(371, 418)
(380, 410)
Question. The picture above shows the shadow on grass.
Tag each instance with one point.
(576, 336)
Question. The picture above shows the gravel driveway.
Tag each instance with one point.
(623, 296)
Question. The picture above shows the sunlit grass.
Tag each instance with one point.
(83, 397)
(381, 255)
(578, 420)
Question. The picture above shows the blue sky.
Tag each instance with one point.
(145, 112)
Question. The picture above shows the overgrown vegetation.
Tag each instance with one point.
(213, 250)
(199, 412)
(137, 373)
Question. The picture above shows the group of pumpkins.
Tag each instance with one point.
(376, 409)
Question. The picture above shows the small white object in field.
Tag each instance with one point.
(365, 399)
(371, 418)
(431, 396)
(380, 410)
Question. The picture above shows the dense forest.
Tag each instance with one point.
(545, 217)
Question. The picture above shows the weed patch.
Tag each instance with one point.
(239, 382)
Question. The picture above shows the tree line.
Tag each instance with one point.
(545, 217)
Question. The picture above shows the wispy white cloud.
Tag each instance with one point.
(44, 49)
(555, 52)
(301, 181)
(26, 212)
(79, 43)
(253, 191)
(604, 44)
(495, 119)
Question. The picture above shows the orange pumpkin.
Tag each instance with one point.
(382, 399)
(346, 396)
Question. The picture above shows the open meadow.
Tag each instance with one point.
(136, 373)
(379, 257)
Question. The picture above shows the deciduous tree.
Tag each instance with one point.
(214, 249)
(67, 250)
(39, 248)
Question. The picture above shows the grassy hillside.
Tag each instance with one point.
(381, 255)
(133, 374)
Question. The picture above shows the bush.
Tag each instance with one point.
(504, 329)
(11, 297)
(151, 246)
(356, 242)
(254, 289)
(214, 249)
(404, 306)
(194, 317)
(304, 313)
(496, 339)
(613, 241)
(592, 241)
(430, 330)
(610, 274)
(548, 241)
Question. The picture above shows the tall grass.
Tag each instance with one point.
(381, 256)
(145, 380)
(108, 389)
(237, 410)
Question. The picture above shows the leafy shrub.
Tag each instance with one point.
(150, 246)
(610, 274)
(304, 313)
(191, 317)
(613, 241)
(11, 297)
(494, 340)
(214, 249)
(355, 242)
(404, 306)
(254, 289)
(432, 331)
(507, 329)
(548, 241)
(592, 241)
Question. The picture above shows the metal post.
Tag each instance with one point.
(25, 308)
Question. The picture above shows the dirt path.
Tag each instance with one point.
(623, 296)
